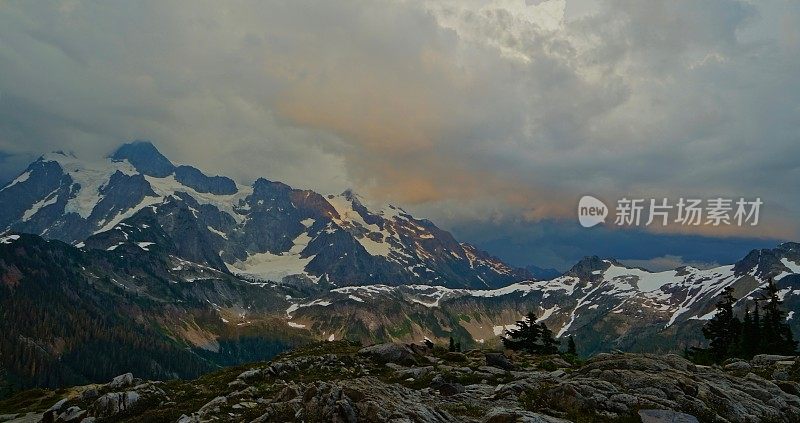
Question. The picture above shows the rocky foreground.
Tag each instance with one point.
(343, 382)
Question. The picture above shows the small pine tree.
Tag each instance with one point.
(458, 346)
(724, 329)
(571, 349)
(525, 337)
(452, 346)
(776, 335)
(747, 345)
(549, 345)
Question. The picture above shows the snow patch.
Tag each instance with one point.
(19, 179)
(215, 231)
(8, 239)
(275, 267)
(46, 201)
(145, 245)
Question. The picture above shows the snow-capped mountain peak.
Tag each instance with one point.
(268, 230)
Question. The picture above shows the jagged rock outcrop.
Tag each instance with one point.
(342, 382)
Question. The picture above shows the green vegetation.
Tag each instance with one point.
(531, 337)
(60, 327)
(757, 333)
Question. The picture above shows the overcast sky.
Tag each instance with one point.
(490, 117)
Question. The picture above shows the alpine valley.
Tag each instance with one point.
(135, 264)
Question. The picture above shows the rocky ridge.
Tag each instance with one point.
(343, 382)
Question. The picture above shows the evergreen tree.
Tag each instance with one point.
(452, 346)
(571, 349)
(748, 342)
(757, 340)
(525, 337)
(776, 335)
(549, 345)
(724, 329)
(458, 346)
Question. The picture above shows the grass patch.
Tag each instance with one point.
(28, 401)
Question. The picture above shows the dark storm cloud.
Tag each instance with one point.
(468, 110)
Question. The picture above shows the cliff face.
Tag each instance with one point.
(340, 381)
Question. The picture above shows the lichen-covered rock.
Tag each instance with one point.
(614, 385)
(499, 360)
(341, 382)
(114, 403)
(666, 416)
(121, 381)
(391, 353)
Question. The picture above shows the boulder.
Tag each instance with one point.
(121, 381)
(780, 375)
(390, 353)
(499, 360)
(448, 389)
(504, 415)
(770, 359)
(89, 393)
(492, 370)
(738, 366)
(250, 374)
(558, 362)
(57, 406)
(72, 414)
(666, 416)
(115, 402)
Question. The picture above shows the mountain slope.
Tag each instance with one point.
(604, 304)
(76, 316)
(267, 231)
(61, 304)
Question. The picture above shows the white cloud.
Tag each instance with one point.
(667, 262)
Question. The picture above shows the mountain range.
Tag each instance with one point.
(266, 231)
(137, 264)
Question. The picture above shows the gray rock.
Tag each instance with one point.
(90, 393)
(72, 414)
(780, 375)
(448, 389)
(504, 415)
(121, 381)
(769, 359)
(499, 360)
(390, 353)
(558, 362)
(738, 366)
(188, 419)
(666, 416)
(492, 370)
(415, 372)
(115, 402)
(250, 374)
(57, 406)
